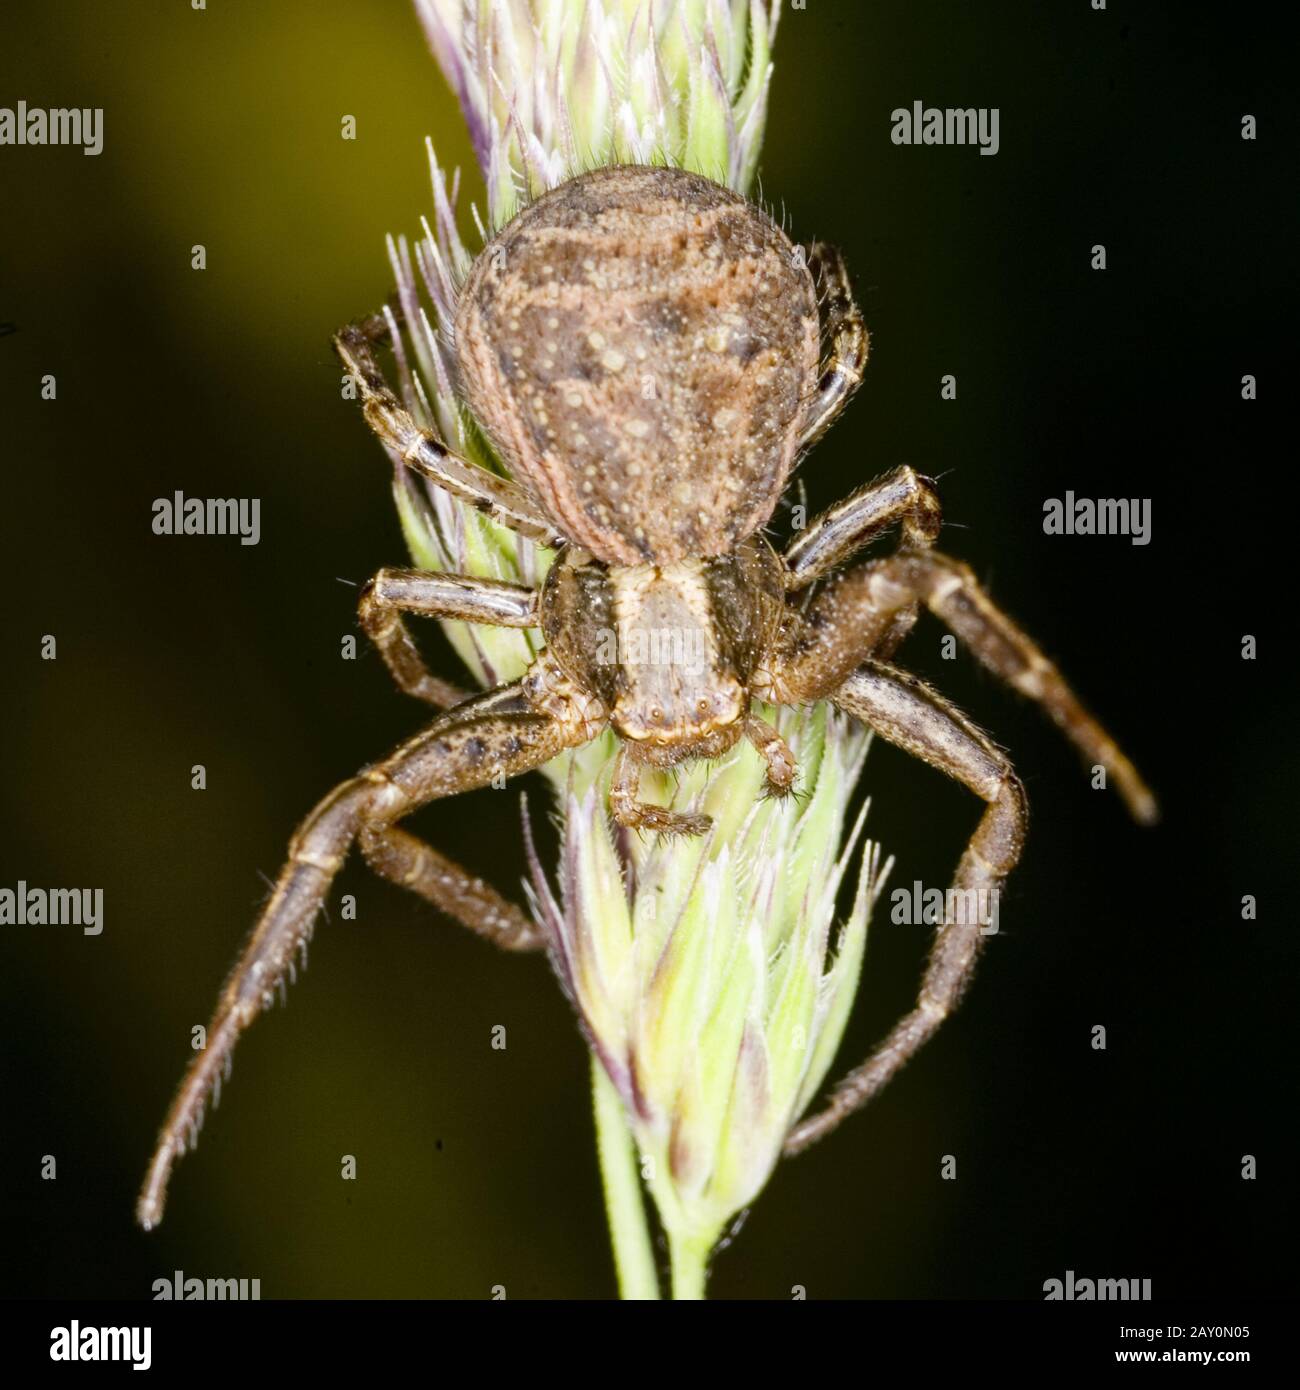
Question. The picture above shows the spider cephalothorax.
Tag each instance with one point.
(668, 649)
(649, 355)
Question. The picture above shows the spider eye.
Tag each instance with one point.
(656, 714)
(702, 705)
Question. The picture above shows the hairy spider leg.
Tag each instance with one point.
(394, 591)
(845, 335)
(907, 712)
(496, 734)
(822, 658)
(902, 498)
(502, 500)
(848, 619)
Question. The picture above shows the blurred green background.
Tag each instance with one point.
(475, 1166)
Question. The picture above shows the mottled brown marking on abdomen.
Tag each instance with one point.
(637, 343)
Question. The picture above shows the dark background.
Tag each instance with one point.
(476, 1167)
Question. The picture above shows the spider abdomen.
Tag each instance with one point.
(639, 344)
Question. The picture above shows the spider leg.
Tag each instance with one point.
(846, 336)
(393, 592)
(902, 497)
(497, 732)
(635, 814)
(853, 615)
(405, 859)
(499, 498)
(907, 712)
